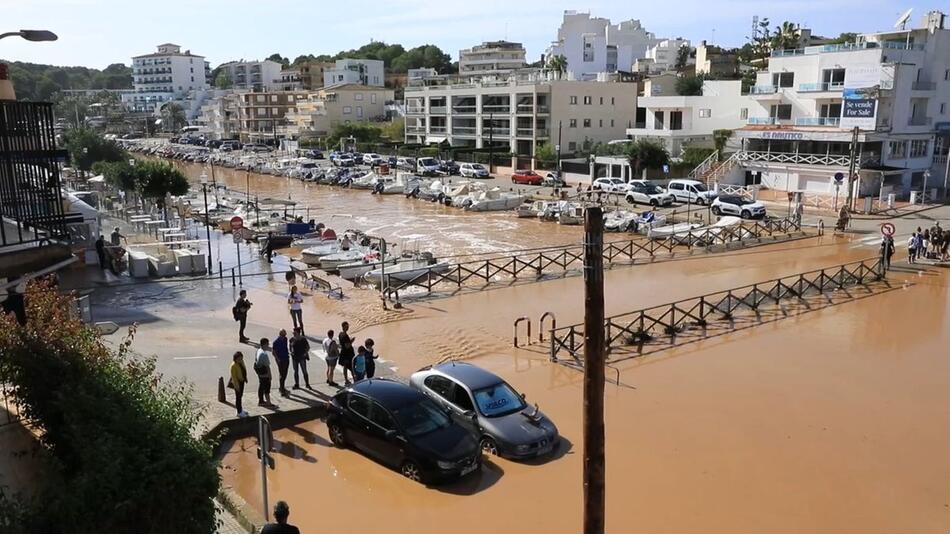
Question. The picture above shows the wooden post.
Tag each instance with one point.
(594, 458)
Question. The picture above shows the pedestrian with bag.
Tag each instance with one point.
(240, 309)
(332, 350)
(237, 381)
(281, 348)
(359, 364)
(295, 300)
(262, 368)
(346, 352)
(371, 357)
(300, 354)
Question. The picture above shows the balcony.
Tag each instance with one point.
(416, 129)
(497, 108)
(542, 108)
(415, 111)
(759, 121)
(919, 121)
(818, 121)
(820, 87)
(438, 129)
(496, 132)
(524, 132)
(525, 109)
(844, 47)
(542, 134)
(437, 110)
(923, 86)
(463, 110)
(763, 90)
(464, 131)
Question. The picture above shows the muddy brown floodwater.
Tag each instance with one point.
(834, 420)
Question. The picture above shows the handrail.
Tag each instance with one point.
(705, 165)
(517, 322)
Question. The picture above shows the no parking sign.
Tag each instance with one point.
(887, 229)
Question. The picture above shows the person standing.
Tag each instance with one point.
(371, 357)
(359, 364)
(269, 247)
(924, 243)
(241, 307)
(912, 248)
(299, 354)
(262, 368)
(887, 250)
(280, 526)
(346, 352)
(295, 300)
(117, 237)
(281, 348)
(238, 379)
(101, 251)
(332, 350)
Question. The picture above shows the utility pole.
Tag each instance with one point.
(491, 140)
(560, 124)
(852, 166)
(594, 362)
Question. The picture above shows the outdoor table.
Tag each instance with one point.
(153, 224)
(173, 239)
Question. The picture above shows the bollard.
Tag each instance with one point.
(233, 282)
(221, 396)
(220, 273)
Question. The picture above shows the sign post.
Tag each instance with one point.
(237, 231)
(263, 452)
(839, 177)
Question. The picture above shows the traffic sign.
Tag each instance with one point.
(237, 223)
(887, 229)
(242, 234)
(839, 177)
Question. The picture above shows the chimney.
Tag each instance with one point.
(6, 86)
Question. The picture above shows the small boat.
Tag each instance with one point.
(364, 182)
(619, 221)
(332, 262)
(495, 200)
(571, 214)
(405, 271)
(369, 262)
(672, 231)
(312, 255)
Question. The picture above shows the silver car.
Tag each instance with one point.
(504, 422)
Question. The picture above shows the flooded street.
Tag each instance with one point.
(834, 420)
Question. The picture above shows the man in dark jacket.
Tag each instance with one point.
(281, 348)
(280, 526)
(299, 354)
(241, 307)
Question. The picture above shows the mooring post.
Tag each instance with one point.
(221, 395)
(594, 455)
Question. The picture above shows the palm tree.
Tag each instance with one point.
(173, 116)
(788, 35)
(557, 63)
(645, 154)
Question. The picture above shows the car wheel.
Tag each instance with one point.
(745, 214)
(488, 446)
(654, 203)
(336, 435)
(701, 201)
(716, 210)
(630, 200)
(410, 470)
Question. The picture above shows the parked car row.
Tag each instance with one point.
(438, 426)
(680, 190)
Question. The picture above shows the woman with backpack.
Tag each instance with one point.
(332, 350)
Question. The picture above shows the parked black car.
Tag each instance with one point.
(449, 167)
(402, 428)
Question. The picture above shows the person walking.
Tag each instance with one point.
(101, 251)
(262, 368)
(299, 354)
(280, 525)
(281, 348)
(238, 379)
(371, 357)
(295, 300)
(269, 247)
(925, 243)
(240, 309)
(912, 248)
(346, 352)
(887, 250)
(332, 350)
(359, 364)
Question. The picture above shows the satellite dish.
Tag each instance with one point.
(902, 20)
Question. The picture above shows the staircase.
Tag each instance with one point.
(715, 172)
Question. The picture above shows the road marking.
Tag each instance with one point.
(195, 358)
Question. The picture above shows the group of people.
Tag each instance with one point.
(358, 363)
(931, 243)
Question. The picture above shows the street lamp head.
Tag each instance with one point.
(38, 35)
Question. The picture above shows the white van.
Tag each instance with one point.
(692, 191)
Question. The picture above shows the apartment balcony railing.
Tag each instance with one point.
(541, 133)
(416, 129)
(468, 131)
(844, 47)
(500, 108)
(835, 160)
(463, 110)
(525, 108)
(155, 80)
(438, 129)
(31, 203)
(524, 132)
(924, 86)
(542, 108)
(762, 120)
(818, 121)
(818, 87)
(415, 111)
(496, 132)
(763, 89)
(437, 110)
(919, 121)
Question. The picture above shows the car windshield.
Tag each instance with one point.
(653, 189)
(421, 418)
(700, 187)
(477, 166)
(427, 162)
(498, 400)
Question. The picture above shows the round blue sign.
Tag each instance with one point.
(839, 176)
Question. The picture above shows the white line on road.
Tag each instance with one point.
(195, 358)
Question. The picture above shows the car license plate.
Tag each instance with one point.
(469, 469)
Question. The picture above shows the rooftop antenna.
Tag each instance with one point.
(902, 20)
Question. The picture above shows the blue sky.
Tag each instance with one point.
(96, 33)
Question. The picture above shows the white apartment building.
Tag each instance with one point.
(491, 57)
(322, 110)
(520, 112)
(165, 75)
(252, 75)
(662, 56)
(893, 87)
(592, 45)
(679, 122)
(359, 71)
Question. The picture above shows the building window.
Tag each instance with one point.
(601, 123)
(743, 113)
(358, 96)
(946, 74)
(601, 101)
(705, 113)
(782, 112)
(572, 146)
(586, 123)
(347, 110)
(372, 98)
(572, 124)
(588, 100)
(918, 148)
(573, 100)
(611, 123)
(613, 101)
(359, 111)
(273, 98)
(192, 69)
(898, 149)
(943, 108)
(275, 111)
(783, 79)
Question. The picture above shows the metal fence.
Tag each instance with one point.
(668, 320)
(536, 263)
(30, 194)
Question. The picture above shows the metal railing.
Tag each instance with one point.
(437, 110)
(524, 132)
(795, 158)
(666, 322)
(762, 120)
(818, 121)
(487, 132)
(763, 89)
(923, 86)
(463, 110)
(844, 47)
(544, 109)
(818, 87)
(537, 263)
(704, 166)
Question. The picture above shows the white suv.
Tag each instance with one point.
(611, 185)
(692, 191)
(739, 206)
(372, 159)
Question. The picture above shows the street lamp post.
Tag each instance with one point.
(204, 190)
(32, 35)
(923, 196)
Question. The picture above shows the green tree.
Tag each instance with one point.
(693, 156)
(682, 57)
(222, 80)
(86, 147)
(361, 132)
(546, 155)
(156, 179)
(786, 36)
(173, 117)
(118, 174)
(557, 63)
(118, 442)
(645, 154)
(394, 130)
(279, 59)
(720, 138)
(844, 37)
(689, 85)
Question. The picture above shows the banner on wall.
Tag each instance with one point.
(859, 97)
